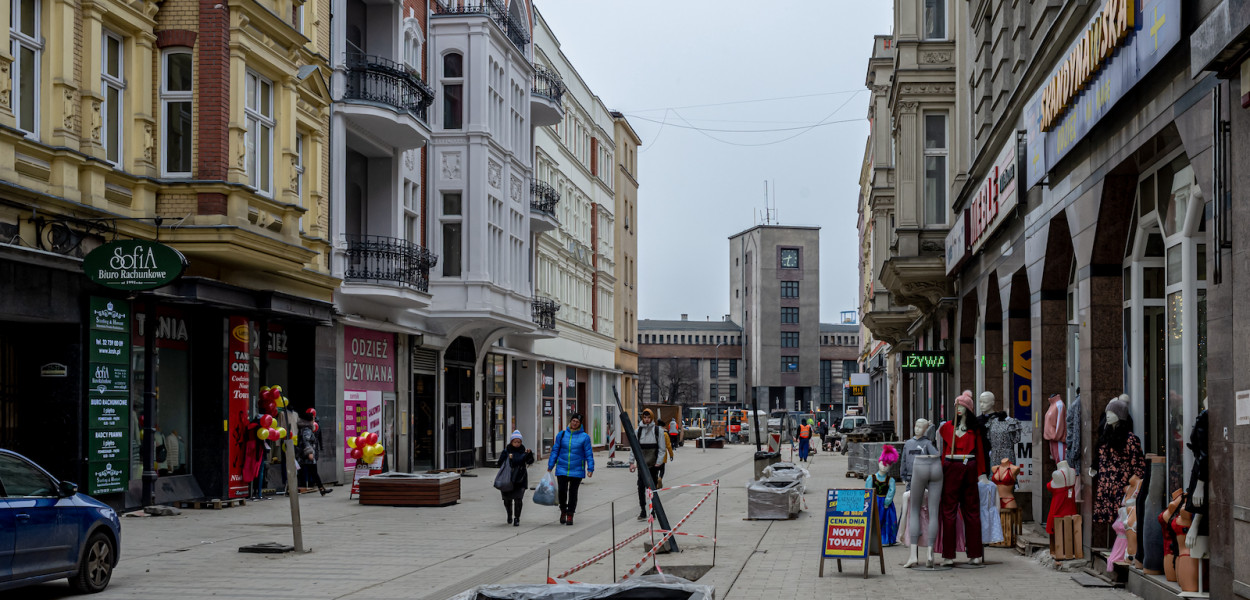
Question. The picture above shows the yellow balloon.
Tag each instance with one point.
(351, 442)
(378, 449)
(281, 432)
(277, 387)
(263, 434)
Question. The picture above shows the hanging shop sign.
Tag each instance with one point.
(994, 200)
(924, 361)
(108, 396)
(848, 515)
(859, 390)
(134, 265)
(1118, 47)
(957, 243)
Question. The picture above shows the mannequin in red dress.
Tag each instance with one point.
(1062, 494)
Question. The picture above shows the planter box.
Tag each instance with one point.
(410, 489)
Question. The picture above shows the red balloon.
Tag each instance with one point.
(266, 421)
(356, 453)
(273, 433)
(271, 408)
(312, 413)
(269, 394)
(373, 438)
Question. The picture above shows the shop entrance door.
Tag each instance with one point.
(423, 422)
(458, 405)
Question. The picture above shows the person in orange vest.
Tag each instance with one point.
(674, 433)
(805, 440)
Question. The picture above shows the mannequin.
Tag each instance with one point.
(883, 486)
(922, 468)
(1062, 494)
(1001, 432)
(1005, 478)
(1055, 429)
(1170, 535)
(1187, 565)
(1117, 457)
(962, 455)
(1125, 527)
(1198, 540)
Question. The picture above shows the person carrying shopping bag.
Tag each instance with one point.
(572, 459)
(517, 457)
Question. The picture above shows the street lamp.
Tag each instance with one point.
(716, 377)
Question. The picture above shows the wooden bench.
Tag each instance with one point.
(409, 489)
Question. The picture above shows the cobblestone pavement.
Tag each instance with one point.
(373, 553)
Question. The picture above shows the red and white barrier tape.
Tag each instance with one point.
(668, 534)
(596, 558)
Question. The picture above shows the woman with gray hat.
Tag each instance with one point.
(517, 457)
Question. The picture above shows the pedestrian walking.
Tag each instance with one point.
(572, 459)
(668, 457)
(674, 433)
(310, 449)
(518, 457)
(805, 440)
(652, 440)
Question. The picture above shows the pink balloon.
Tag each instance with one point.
(273, 433)
(266, 421)
(356, 453)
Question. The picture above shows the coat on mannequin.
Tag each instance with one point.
(963, 453)
(1117, 457)
(1197, 538)
(923, 468)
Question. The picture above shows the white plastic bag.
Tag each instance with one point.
(545, 493)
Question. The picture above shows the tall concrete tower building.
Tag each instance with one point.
(775, 293)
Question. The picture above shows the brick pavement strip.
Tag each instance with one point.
(376, 553)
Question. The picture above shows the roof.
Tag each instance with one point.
(839, 327)
(657, 324)
(774, 226)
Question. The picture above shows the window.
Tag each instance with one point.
(733, 392)
(24, 33)
(176, 93)
(259, 110)
(113, 82)
(712, 392)
(453, 91)
(299, 166)
(789, 258)
(297, 15)
(694, 365)
(451, 235)
(789, 289)
(934, 19)
(714, 367)
(22, 480)
(935, 169)
(789, 315)
(789, 364)
(733, 367)
(789, 339)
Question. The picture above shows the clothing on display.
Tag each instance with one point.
(1062, 498)
(925, 500)
(1073, 439)
(921, 446)
(961, 496)
(991, 525)
(1117, 457)
(1004, 435)
(1055, 429)
(1119, 548)
(1004, 477)
(1199, 473)
(883, 486)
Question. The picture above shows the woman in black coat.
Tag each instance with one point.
(518, 457)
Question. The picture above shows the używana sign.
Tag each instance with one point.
(134, 265)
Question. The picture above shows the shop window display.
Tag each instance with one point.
(173, 394)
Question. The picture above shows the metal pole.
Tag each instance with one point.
(715, 519)
(647, 481)
(548, 564)
(148, 449)
(292, 489)
(614, 542)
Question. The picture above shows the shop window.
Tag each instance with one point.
(174, 391)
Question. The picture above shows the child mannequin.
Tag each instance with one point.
(883, 485)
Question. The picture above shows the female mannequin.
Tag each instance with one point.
(962, 457)
(1005, 478)
(1062, 494)
(1055, 429)
(1170, 536)
(922, 469)
(1196, 498)
(1117, 457)
(883, 486)
(1187, 565)
(1001, 433)
(1132, 490)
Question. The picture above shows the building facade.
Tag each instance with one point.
(691, 363)
(626, 302)
(201, 126)
(575, 263)
(839, 358)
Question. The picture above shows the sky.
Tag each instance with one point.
(680, 68)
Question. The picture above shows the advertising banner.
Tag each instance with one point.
(355, 422)
(1022, 407)
(368, 360)
(239, 396)
(108, 396)
(847, 523)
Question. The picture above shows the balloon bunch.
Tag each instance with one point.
(365, 447)
(271, 400)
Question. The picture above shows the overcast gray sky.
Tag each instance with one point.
(766, 66)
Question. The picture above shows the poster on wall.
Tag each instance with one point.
(368, 371)
(239, 395)
(1022, 407)
(108, 397)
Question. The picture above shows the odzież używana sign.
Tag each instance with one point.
(108, 396)
(921, 361)
(134, 265)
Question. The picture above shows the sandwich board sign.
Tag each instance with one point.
(852, 529)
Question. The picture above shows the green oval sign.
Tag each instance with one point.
(134, 265)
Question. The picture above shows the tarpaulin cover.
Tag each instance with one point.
(772, 499)
(788, 471)
(646, 587)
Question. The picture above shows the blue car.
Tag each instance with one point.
(50, 531)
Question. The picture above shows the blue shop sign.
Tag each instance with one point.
(1055, 121)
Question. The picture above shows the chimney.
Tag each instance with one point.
(685, 317)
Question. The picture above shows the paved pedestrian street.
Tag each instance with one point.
(367, 552)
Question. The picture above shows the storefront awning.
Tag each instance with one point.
(201, 290)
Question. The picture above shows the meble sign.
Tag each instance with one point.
(134, 265)
(995, 198)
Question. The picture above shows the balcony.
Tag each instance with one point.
(386, 270)
(546, 97)
(544, 310)
(543, 201)
(510, 25)
(386, 100)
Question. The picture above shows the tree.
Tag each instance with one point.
(676, 381)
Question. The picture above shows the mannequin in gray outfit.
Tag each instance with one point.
(922, 469)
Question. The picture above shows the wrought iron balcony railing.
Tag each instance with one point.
(544, 310)
(379, 258)
(548, 84)
(376, 79)
(544, 197)
(511, 27)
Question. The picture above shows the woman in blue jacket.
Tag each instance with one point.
(572, 458)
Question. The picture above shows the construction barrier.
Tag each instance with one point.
(669, 533)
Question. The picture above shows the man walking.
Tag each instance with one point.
(651, 439)
(805, 440)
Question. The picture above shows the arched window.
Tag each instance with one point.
(453, 91)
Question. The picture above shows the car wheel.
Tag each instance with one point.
(97, 565)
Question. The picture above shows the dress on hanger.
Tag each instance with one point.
(1062, 501)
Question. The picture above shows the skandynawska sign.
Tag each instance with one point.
(134, 265)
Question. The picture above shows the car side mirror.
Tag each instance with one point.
(68, 489)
